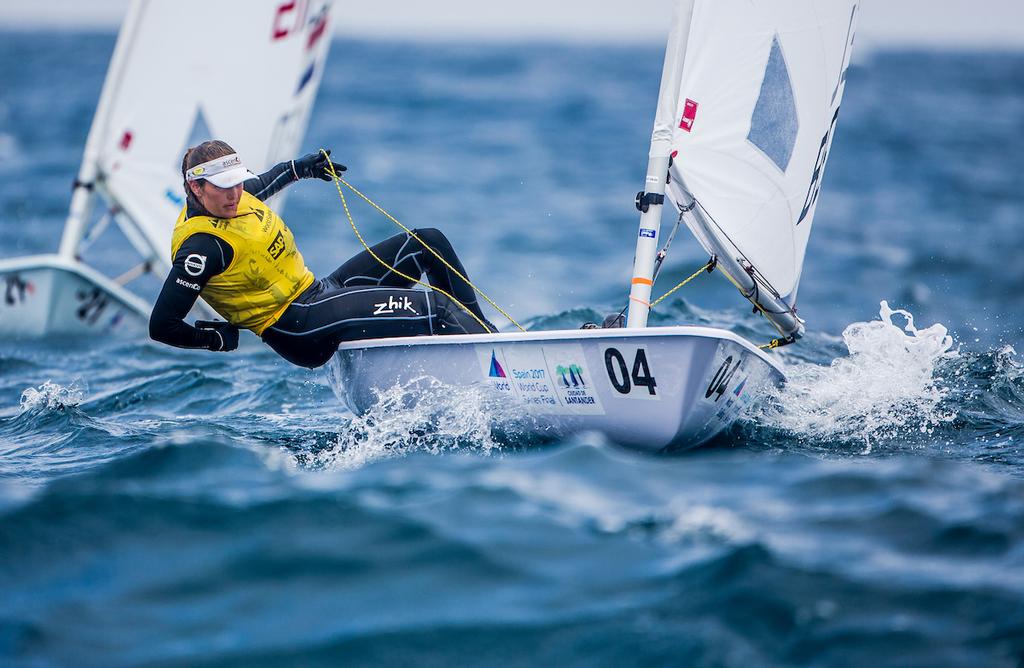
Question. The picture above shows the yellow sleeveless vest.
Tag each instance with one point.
(267, 272)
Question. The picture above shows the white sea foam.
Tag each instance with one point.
(422, 416)
(51, 396)
(885, 387)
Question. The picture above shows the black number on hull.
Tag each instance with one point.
(646, 380)
(622, 387)
(721, 378)
(619, 374)
(93, 304)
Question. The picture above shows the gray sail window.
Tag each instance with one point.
(774, 125)
(199, 133)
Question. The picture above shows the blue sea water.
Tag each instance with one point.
(168, 507)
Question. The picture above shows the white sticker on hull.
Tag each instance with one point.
(548, 379)
(493, 364)
(531, 379)
(572, 379)
(727, 387)
(629, 372)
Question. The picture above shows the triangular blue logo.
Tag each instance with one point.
(496, 370)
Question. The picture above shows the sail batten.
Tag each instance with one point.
(750, 114)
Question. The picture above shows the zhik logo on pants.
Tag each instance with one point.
(393, 304)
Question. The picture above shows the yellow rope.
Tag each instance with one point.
(407, 277)
(681, 284)
(771, 345)
(338, 181)
(775, 343)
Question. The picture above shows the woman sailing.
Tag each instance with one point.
(234, 251)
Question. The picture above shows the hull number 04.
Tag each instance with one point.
(625, 381)
(721, 379)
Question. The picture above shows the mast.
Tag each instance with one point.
(84, 188)
(651, 200)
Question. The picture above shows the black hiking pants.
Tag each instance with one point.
(363, 299)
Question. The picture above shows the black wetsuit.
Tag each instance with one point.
(362, 299)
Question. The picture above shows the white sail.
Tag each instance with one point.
(750, 93)
(245, 71)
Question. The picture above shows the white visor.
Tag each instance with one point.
(224, 172)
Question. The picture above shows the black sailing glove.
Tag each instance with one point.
(227, 334)
(314, 166)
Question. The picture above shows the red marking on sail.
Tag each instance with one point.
(282, 30)
(689, 115)
(126, 140)
(317, 30)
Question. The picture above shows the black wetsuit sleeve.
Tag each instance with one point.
(200, 258)
(270, 182)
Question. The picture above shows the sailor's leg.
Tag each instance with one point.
(407, 255)
(309, 331)
(439, 270)
(397, 252)
(453, 319)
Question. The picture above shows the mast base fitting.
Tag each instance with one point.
(644, 200)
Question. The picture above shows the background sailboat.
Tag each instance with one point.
(247, 72)
(749, 97)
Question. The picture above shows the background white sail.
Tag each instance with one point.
(245, 71)
(750, 91)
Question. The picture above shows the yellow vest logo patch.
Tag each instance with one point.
(276, 246)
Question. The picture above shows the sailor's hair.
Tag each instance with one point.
(197, 155)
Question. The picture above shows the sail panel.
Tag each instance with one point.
(245, 71)
(759, 86)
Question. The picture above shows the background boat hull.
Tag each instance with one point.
(47, 296)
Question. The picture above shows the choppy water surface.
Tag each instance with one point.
(167, 507)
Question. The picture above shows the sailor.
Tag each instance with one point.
(230, 248)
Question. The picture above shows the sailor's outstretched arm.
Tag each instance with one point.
(270, 182)
(275, 179)
(201, 257)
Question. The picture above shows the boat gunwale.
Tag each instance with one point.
(556, 335)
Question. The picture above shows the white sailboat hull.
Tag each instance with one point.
(657, 389)
(47, 295)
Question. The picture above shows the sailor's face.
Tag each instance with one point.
(221, 202)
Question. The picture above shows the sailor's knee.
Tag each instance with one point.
(431, 236)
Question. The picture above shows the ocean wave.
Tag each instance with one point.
(52, 396)
(886, 387)
(458, 548)
(422, 416)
